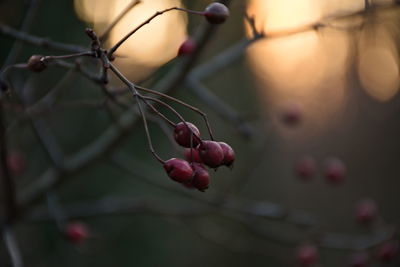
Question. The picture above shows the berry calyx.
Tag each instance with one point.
(76, 232)
(229, 154)
(211, 153)
(366, 211)
(388, 251)
(178, 170)
(359, 259)
(307, 255)
(201, 177)
(187, 47)
(306, 168)
(216, 13)
(36, 64)
(335, 171)
(192, 155)
(186, 131)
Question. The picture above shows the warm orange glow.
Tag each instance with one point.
(152, 46)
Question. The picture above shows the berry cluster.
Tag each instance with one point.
(199, 153)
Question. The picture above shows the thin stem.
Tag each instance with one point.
(110, 27)
(12, 247)
(137, 97)
(204, 115)
(112, 50)
(80, 54)
(158, 113)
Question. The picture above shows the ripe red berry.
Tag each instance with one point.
(184, 132)
(216, 13)
(306, 168)
(291, 114)
(229, 154)
(366, 211)
(16, 163)
(307, 255)
(192, 155)
(187, 47)
(359, 259)
(388, 251)
(335, 171)
(178, 170)
(201, 178)
(36, 64)
(76, 232)
(211, 153)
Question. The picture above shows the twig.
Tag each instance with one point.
(12, 246)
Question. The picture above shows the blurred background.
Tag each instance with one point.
(326, 93)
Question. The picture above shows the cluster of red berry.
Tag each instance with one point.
(192, 172)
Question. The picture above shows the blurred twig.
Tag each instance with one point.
(12, 246)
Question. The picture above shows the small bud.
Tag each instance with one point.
(216, 13)
(211, 153)
(306, 168)
(187, 47)
(366, 211)
(335, 171)
(76, 232)
(307, 255)
(36, 64)
(183, 132)
(229, 154)
(178, 170)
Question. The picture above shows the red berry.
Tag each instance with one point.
(187, 47)
(366, 211)
(335, 171)
(36, 64)
(211, 153)
(388, 250)
(291, 114)
(306, 168)
(178, 170)
(76, 232)
(192, 155)
(201, 178)
(183, 132)
(16, 163)
(307, 255)
(359, 259)
(216, 13)
(229, 154)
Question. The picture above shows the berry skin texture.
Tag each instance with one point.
(201, 178)
(335, 171)
(178, 170)
(307, 255)
(306, 168)
(76, 232)
(192, 155)
(359, 259)
(183, 132)
(388, 251)
(366, 211)
(211, 154)
(16, 163)
(229, 154)
(216, 13)
(36, 64)
(187, 47)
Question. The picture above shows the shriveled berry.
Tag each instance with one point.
(201, 178)
(388, 251)
(76, 232)
(187, 47)
(291, 114)
(216, 13)
(359, 259)
(305, 168)
(307, 255)
(36, 64)
(16, 163)
(211, 153)
(184, 132)
(366, 211)
(335, 171)
(178, 170)
(192, 155)
(229, 154)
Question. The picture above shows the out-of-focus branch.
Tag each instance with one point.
(12, 246)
